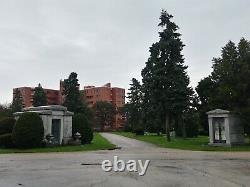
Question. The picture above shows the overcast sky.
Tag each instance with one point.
(107, 40)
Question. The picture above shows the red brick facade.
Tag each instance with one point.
(54, 97)
(114, 95)
(91, 94)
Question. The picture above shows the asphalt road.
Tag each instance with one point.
(167, 167)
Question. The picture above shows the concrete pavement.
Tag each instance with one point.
(167, 167)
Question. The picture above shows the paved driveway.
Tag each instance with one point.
(167, 167)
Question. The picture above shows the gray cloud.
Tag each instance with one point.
(107, 41)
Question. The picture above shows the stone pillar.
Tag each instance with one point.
(67, 129)
(211, 130)
(227, 130)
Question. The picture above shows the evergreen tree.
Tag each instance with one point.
(225, 71)
(17, 103)
(39, 97)
(164, 77)
(228, 86)
(71, 94)
(134, 106)
(205, 90)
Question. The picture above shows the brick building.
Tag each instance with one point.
(54, 97)
(91, 94)
(114, 95)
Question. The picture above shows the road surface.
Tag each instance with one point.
(168, 167)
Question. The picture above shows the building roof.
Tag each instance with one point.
(218, 111)
(46, 110)
(49, 107)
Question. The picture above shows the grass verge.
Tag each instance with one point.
(195, 144)
(98, 143)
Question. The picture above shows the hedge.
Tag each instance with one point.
(6, 125)
(6, 140)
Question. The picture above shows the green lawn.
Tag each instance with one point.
(196, 144)
(98, 143)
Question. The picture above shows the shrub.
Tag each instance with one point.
(127, 128)
(82, 125)
(6, 140)
(139, 131)
(87, 135)
(28, 131)
(6, 125)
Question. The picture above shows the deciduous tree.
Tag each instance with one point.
(104, 114)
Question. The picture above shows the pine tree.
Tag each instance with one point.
(164, 77)
(71, 93)
(39, 97)
(17, 103)
(134, 106)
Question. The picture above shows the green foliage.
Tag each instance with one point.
(6, 125)
(127, 128)
(87, 135)
(5, 111)
(39, 97)
(205, 91)
(82, 125)
(72, 96)
(6, 140)
(104, 114)
(28, 131)
(228, 86)
(134, 106)
(165, 81)
(191, 121)
(139, 131)
(17, 103)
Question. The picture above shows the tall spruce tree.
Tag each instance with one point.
(71, 94)
(39, 97)
(134, 106)
(17, 103)
(164, 77)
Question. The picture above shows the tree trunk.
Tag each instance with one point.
(168, 127)
(184, 134)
